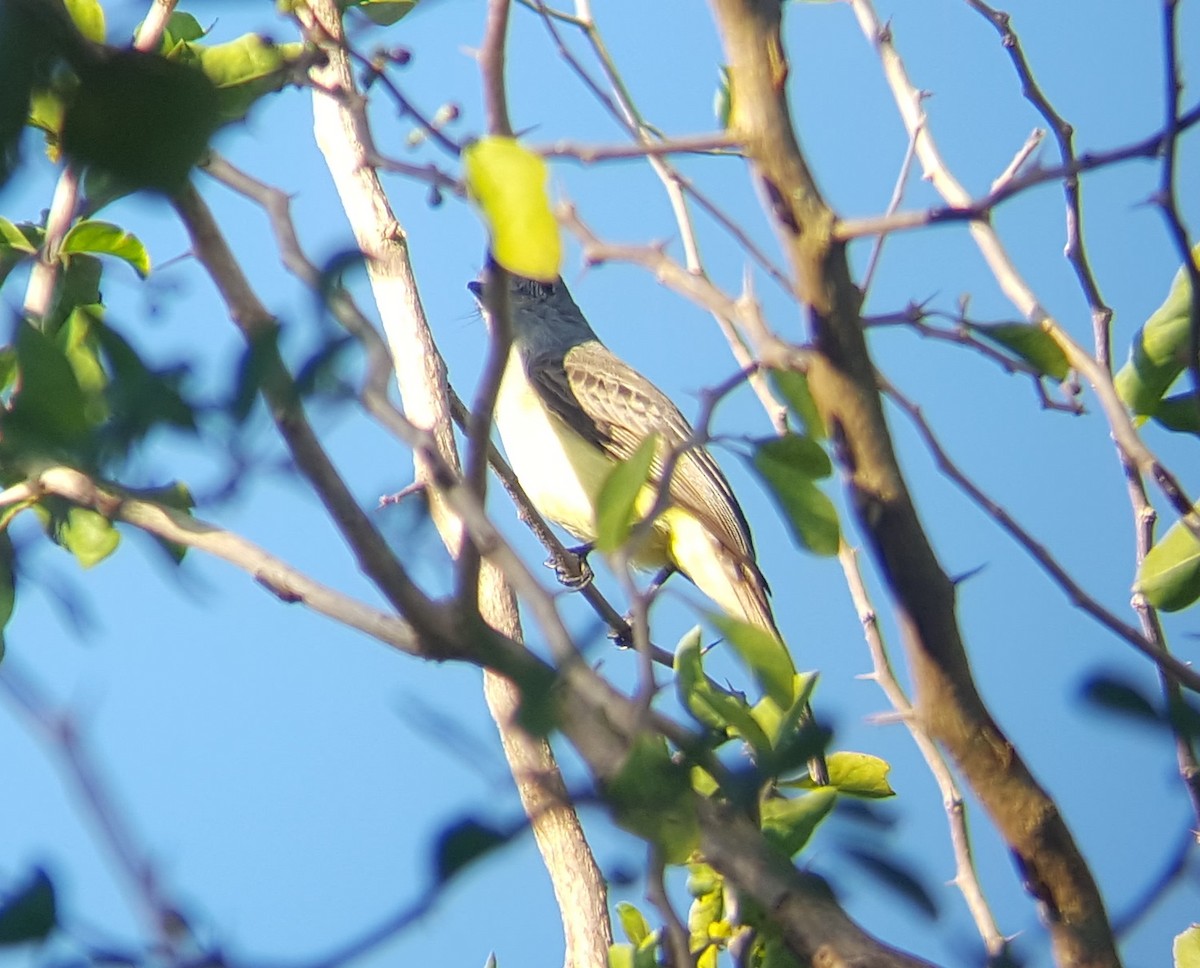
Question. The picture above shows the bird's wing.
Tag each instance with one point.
(614, 407)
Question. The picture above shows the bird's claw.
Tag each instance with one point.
(571, 568)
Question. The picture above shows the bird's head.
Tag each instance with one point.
(542, 313)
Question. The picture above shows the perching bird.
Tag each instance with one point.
(568, 410)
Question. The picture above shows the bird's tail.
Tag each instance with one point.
(750, 591)
(731, 580)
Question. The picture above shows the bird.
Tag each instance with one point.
(569, 410)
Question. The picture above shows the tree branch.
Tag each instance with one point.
(842, 379)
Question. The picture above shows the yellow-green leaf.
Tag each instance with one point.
(384, 12)
(633, 922)
(1186, 949)
(789, 822)
(713, 706)
(789, 466)
(1031, 343)
(89, 18)
(104, 238)
(1170, 573)
(88, 535)
(1160, 349)
(651, 796)
(617, 502)
(793, 387)
(856, 774)
(508, 183)
(765, 656)
(245, 69)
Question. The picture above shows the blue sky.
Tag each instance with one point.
(286, 776)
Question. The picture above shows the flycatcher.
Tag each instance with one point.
(568, 411)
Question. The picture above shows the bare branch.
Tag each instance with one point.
(966, 878)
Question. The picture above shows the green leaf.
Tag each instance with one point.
(1169, 576)
(176, 496)
(764, 655)
(633, 922)
(857, 774)
(79, 345)
(616, 504)
(788, 466)
(1180, 413)
(78, 288)
(138, 397)
(141, 118)
(465, 842)
(244, 70)
(30, 912)
(89, 18)
(18, 243)
(19, 238)
(88, 535)
(104, 238)
(789, 822)
(793, 387)
(1159, 352)
(50, 409)
(1186, 948)
(713, 706)
(1029, 342)
(182, 28)
(384, 12)
(651, 796)
(775, 719)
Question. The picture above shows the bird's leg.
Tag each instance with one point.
(571, 567)
(659, 579)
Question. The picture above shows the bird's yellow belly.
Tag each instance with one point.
(560, 471)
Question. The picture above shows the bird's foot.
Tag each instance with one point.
(571, 568)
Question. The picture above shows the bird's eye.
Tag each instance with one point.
(534, 288)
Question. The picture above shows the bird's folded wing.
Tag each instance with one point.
(614, 407)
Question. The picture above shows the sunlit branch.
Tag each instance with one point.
(1011, 283)
(623, 109)
(915, 317)
(769, 350)
(282, 580)
(706, 144)
(1064, 135)
(963, 208)
(966, 878)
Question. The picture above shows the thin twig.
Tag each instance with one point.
(676, 941)
(1188, 677)
(1011, 283)
(906, 165)
(62, 731)
(966, 878)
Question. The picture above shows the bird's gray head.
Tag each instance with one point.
(544, 316)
